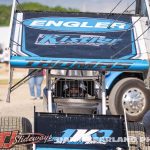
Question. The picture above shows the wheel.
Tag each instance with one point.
(23, 125)
(136, 134)
(130, 94)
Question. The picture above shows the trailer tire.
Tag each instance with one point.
(23, 125)
(131, 94)
(136, 133)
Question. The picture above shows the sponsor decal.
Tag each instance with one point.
(9, 139)
(83, 136)
(81, 65)
(77, 24)
(62, 39)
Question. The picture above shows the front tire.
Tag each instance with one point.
(131, 94)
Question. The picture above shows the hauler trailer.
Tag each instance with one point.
(97, 68)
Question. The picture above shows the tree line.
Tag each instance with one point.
(5, 11)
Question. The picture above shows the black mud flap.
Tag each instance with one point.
(69, 131)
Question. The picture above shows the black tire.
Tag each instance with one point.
(116, 98)
(21, 124)
(136, 130)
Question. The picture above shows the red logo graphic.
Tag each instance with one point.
(8, 139)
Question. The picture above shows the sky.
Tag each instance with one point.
(83, 5)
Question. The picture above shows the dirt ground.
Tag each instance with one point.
(20, 103)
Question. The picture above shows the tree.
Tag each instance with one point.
(40, 7)
(5, 11)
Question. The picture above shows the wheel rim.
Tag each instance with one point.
(134, 101)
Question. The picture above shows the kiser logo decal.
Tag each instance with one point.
(9, 139)
(77, 24)
(62, 39)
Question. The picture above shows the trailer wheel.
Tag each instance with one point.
(136, 134)
(131, 94)
(21, 124)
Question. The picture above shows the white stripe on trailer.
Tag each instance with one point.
(18, 34)
(50, 109)
(11, 19)
(148, 7)
(140, 43)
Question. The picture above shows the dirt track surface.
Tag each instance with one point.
(20, 103)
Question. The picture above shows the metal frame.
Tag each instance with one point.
(10, 30)
(104, 108)
(126, 126)
(11, 19)
(10, 84)
(147, 6)
(19, 83)
(49, 85)
(138, 7)
(33, 129)
(147, 78)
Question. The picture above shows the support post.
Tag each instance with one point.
(33, 129)
(138, 7)
(126, 126)
(104, 108)
(49, 91)
(10, 84)
(11, 21)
